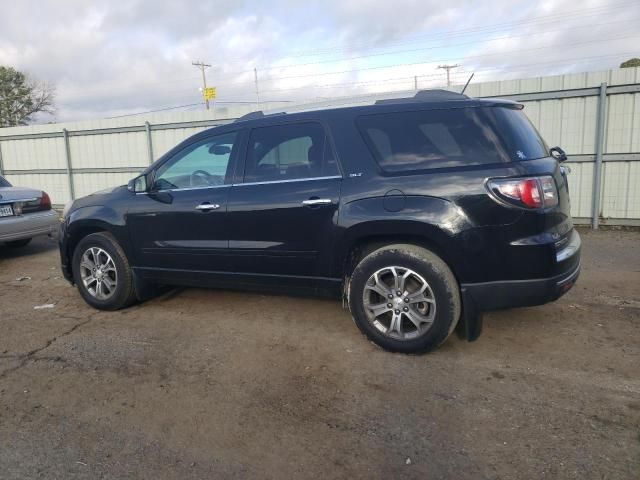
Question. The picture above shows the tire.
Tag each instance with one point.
(423, 325)
(117, 271)
(19, 243)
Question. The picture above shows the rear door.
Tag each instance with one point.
(282, 216)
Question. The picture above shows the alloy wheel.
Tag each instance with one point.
(98, 273)
(399, 303)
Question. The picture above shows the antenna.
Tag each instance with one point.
(467, 84)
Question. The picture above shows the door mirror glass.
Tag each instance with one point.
(558, 153)
(220, 150)
(138, 184)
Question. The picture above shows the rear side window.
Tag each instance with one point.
(3, 182)
(427, 139)
(289, 152)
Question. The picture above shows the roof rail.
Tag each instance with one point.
(256, 115)
(436, 95)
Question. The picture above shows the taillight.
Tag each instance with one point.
(529, 192)
(45, 201)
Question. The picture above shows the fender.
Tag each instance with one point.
(432, 220)
(90, 219)
(85, 220)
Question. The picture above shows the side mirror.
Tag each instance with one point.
(138, 184)
(219, 149)
(558, 153)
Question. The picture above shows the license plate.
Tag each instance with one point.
(6, 211)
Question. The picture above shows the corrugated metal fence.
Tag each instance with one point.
(594, 116)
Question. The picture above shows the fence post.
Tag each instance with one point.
(67, 151)
(147, 127)
(597, 173)
(1, 164)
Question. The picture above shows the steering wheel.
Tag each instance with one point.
(199, 174)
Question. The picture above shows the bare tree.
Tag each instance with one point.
(21, 98)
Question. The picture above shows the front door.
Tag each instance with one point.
(282, 218)
(180, 225)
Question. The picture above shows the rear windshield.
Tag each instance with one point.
(427, 139)
(3, 182)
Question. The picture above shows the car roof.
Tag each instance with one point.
(422, 100)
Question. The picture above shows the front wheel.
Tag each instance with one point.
(404, 298)
(102, 273)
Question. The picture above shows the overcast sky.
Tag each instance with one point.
(116, 58)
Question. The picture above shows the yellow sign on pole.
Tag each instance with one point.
(210, 93)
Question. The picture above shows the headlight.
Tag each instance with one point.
(66, 209)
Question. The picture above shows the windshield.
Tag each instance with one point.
(441, 138)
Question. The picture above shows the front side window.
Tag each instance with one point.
(427, 139)
(203, 164)
(289, 152)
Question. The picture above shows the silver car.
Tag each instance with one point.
(24, 213)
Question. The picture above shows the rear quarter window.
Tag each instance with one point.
(456, 137)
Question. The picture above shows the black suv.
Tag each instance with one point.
(420, 212)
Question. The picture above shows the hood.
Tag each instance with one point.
(98, 198)
(108, 190)
(14, 194)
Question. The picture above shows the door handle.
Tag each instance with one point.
(205, 207)
(316, 201)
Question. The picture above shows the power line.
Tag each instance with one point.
(552, 18)
(234, 74)
(434, 47)
(467, 58)
(460, 32)
(480, 70)
(393, 52)
(157, 110)
(397, 80)
(514, 67)
(175, 107)
(452, 33)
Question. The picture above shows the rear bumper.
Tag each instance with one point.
(28, 225)
(526, 293)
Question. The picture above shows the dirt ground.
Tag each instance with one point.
(216, 384)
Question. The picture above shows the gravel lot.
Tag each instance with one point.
(216, 384)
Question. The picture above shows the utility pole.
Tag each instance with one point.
(255, 77)
(202, 66)
(415, 82)
(448, 69)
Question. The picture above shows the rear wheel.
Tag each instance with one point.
(102, 272)
(404, 298)
(19, 243)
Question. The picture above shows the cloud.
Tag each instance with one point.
(111, 58)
